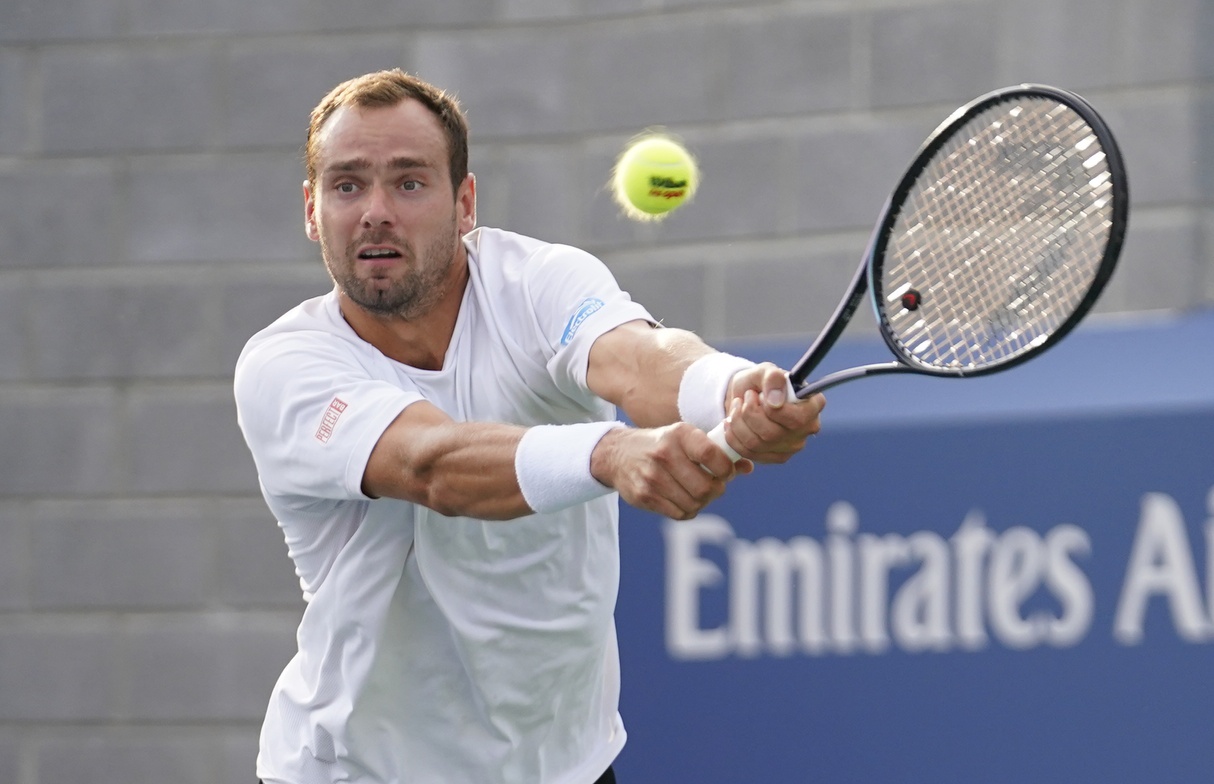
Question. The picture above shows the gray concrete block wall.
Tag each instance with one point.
(150, 221)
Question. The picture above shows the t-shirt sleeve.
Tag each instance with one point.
(311, 414)
(577, 299)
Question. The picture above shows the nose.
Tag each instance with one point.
(377, 212)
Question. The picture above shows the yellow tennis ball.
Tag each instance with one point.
(654, 175)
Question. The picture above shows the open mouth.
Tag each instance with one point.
(372, 254)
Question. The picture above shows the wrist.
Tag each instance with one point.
(704, 387)
(603, 457)
(553, 464)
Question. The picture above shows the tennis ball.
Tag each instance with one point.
(654, 175)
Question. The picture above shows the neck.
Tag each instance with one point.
(419, 342)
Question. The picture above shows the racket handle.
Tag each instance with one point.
(717, 434)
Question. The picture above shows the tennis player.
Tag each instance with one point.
(437, 438)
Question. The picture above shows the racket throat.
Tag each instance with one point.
(851, 374)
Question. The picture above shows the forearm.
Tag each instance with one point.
(638, 368)
(454, 468)
(485, 470)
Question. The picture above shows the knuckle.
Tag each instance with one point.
(681, 429)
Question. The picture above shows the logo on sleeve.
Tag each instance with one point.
(329, 421)
(585, 309)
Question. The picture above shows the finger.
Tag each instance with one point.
(801, 416)
(776, 388)
(711, 457)
(759, 427)
(664, 495)
(749, 428)
(763, 440)
(676, 511)
(695, 489)
(693, 470)
(726, 428)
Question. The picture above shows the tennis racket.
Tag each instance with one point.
(995, 243)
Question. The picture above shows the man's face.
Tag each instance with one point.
(383, 210)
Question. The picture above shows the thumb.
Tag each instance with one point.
(777, 390)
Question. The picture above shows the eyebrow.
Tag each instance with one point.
(362, 164)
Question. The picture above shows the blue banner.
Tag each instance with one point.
(1026, 595)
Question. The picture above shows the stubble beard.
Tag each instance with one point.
(408, 297)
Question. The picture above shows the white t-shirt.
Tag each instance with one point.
(440, 650)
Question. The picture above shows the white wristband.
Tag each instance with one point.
(703, 387)
(552, 464)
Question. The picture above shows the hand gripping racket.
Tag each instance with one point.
(994, 245)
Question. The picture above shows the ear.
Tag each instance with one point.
(310, 213)
(465, 204)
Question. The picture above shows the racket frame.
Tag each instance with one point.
(867, 276)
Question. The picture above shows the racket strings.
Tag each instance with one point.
(1000, 237)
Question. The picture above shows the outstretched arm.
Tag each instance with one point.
(497, 471)
(485, 470)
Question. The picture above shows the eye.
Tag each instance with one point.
(345, 187)
(411, 185)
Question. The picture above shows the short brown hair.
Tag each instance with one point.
(386, 89)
